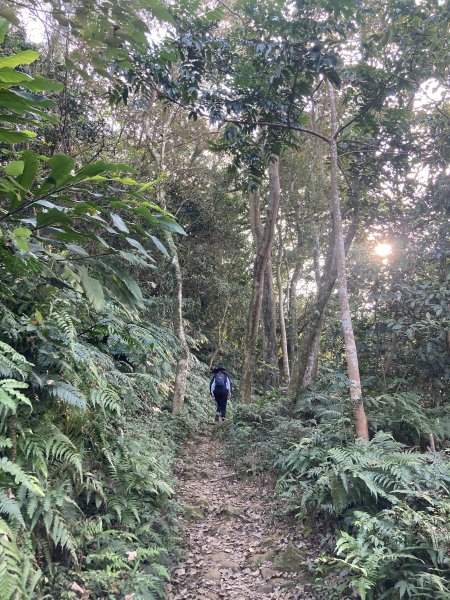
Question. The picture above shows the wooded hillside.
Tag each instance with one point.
(258, 183)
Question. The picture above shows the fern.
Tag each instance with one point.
(106, 398)
(10, 564)
(358, 475)
(388, 552)
(19, 476)
(10, 508)
(67, 392)
(12, 364)
(64, 321)
(11, 396)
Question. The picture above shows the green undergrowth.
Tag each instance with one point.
(87, 443)
(378, 511)
(87, 439)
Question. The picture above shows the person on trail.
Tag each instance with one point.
(221, 388)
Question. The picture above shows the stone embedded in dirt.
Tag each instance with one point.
(203, 502)
(270, 541)
(232, 511)
(291, 559)
(258, 559)
(213, 575)
(267, 573)
(222, 559)
(193, 512)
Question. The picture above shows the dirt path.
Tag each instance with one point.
(236, 549)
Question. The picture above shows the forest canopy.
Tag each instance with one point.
(262, 184)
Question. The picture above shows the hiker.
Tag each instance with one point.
(221, 388)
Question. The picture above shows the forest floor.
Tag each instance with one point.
(236, 548)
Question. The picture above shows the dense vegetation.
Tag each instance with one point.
(184, 183)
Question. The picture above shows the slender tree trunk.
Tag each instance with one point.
(183, 356)
(359, 415)
(270, 330)
(219, 336)
(310, 344)
(269, 323)
(292, 313)
(309, 321)
(284, 347)
(177, 306)
(312, 358)
(261, 261)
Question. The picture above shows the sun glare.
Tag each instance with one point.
(383, 249)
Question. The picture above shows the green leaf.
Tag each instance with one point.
(93, 289)
(62, 166)
(137, 245)
(15, 168)
(31, 161)
(146, 214)
(61, 169)
(51, 217)
(21, 58)
(11, 137)
(133, 287)
(161, 13)
(169, 224)
(3, 29)
(119, 223)
(12, 76)
(159, 245)
(41, 84)
(21, 235)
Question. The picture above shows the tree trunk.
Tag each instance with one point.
(269, 321)
(270, 330)
(284, 347)
(261, 260)
(183, 356)
(312, 359)
(292, 313)
(219, 336)
(359, 415)
(308, 323)
(177, 308)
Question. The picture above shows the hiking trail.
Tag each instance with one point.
(236, 549)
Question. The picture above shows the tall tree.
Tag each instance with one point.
(261, 261)
(359, 416)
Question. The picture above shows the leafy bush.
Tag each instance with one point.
(404, 415)
(259, 432)
(86, 440)
(397, 553)
(332, 480)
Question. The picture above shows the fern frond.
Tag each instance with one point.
(20, 477)
(12, 364)
(67, 392)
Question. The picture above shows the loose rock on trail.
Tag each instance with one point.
(236, 548)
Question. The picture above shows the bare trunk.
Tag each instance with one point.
(359, 416)
(177, 308)
(292, 313)
(261, 261)
(310, 344)
(183, 356)
(312, 360)
(270, 330)
(284, 347)
(219, 336)
(309, 323)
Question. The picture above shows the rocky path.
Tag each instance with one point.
(236, 548)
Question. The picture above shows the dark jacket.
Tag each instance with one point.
(228, 381)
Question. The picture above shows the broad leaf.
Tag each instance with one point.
(92, 288)
(21, 58)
